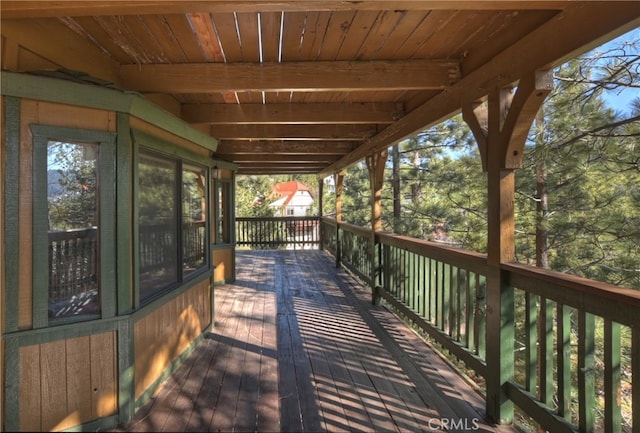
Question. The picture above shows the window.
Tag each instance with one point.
(172, 221)
(72, 204)
(223, 212)
(73, 224)
(194, 209)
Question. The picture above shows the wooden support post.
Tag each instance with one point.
(500, 313)
(501, 128)
(376, 164)
(339, 181)
(320, 211)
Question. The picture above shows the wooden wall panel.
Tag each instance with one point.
(166, 332)
(53, 386)
(15, 58)
(69, 382)
(223, 261)
(76, 117)
(30, 398)
(78, 375)
(143, 126)
(29, 61)
(8, 55)
(104, 373)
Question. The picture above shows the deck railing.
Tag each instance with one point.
(278, 232)
(73, 264)
(576, 341)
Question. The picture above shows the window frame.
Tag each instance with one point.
(106, 141)
(224, 201)
(144, 143)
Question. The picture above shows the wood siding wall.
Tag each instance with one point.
(165, 333)
(78, 374)
(223, 262)
(68, 382)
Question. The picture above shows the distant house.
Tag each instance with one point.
(293, 199)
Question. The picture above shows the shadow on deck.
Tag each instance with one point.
(299, 347)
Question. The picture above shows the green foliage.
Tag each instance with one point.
(590, 160)
(72, 185)
(252, 196)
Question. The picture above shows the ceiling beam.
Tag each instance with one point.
(323, 159)
(44, 9)
(285, 147)
(583, 26)
(344, 76)
(339, 113)
(276, 167)
(294, 132)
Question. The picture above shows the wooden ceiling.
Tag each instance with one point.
(307, 86)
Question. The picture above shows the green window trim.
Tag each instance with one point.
(42, 134)
(144, 143)
(223, 197)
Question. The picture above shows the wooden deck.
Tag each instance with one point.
(299, 347)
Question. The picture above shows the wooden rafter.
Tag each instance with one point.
(278, 157)
(240, 147)
(343, 76)
(294, 132)
(343, 113)
(540, 49)
(42, 9)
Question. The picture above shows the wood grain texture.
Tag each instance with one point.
(298, 346)
(165, 333)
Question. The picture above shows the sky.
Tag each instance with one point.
(620, 100)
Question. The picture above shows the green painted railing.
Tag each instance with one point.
(576, 341)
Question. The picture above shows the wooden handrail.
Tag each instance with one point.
(442, 290)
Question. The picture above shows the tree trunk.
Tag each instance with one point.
(542, 205)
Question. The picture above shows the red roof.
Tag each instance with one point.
(289, 189)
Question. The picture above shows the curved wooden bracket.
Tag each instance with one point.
(476, 116)
(529, 97)
(505, 120)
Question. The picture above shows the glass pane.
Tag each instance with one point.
(72, 202)
(158, 246)
(223, 234)
(193, 218)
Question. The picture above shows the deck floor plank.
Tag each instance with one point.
(299, 347)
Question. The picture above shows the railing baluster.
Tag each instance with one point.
(481, 316)
(422, 280)
(545, 336)
(563, 349)
(446, 298)
(586, 370)
(438, 295)
(635, 377)
(415, 297)
(612, 412)
(471, 308)
(453, 296)
(531, 340)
